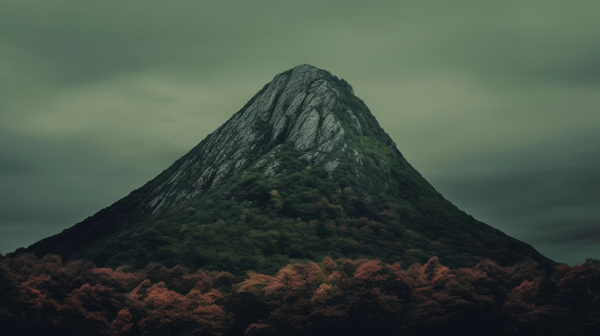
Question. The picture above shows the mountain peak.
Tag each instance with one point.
(305, 107)
(303, 75)
(302, 171)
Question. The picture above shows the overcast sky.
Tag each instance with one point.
(495, 103)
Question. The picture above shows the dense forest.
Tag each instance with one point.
(334, 297)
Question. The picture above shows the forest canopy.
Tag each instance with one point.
(334, 297)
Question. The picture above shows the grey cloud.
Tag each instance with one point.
(54, 185)
(590, 234)
(545, 194)
(10, 166)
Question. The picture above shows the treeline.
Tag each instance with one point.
(348, 297)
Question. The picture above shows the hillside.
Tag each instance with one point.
(302, 171)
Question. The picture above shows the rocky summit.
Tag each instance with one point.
(305, 108)
(302, 171)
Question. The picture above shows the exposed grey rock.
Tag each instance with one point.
(355, 122)
(383, 166)
(356, 156)
(331, 165)
(271, 169)
(304, 107)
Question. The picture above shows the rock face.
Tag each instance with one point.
(301, 172)
(305, 107)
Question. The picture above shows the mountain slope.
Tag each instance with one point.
(302, 171)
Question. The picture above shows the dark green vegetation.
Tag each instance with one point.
(376, 206)
(351, 297)
(262, 224)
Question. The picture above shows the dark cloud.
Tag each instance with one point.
(13, 167)
(55, 184)
(576, 233)
(546, 193)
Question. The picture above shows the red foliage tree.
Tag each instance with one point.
(171, 313)
(46, 296)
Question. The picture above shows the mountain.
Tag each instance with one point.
(302, 171)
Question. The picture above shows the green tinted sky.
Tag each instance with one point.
(496, 103)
